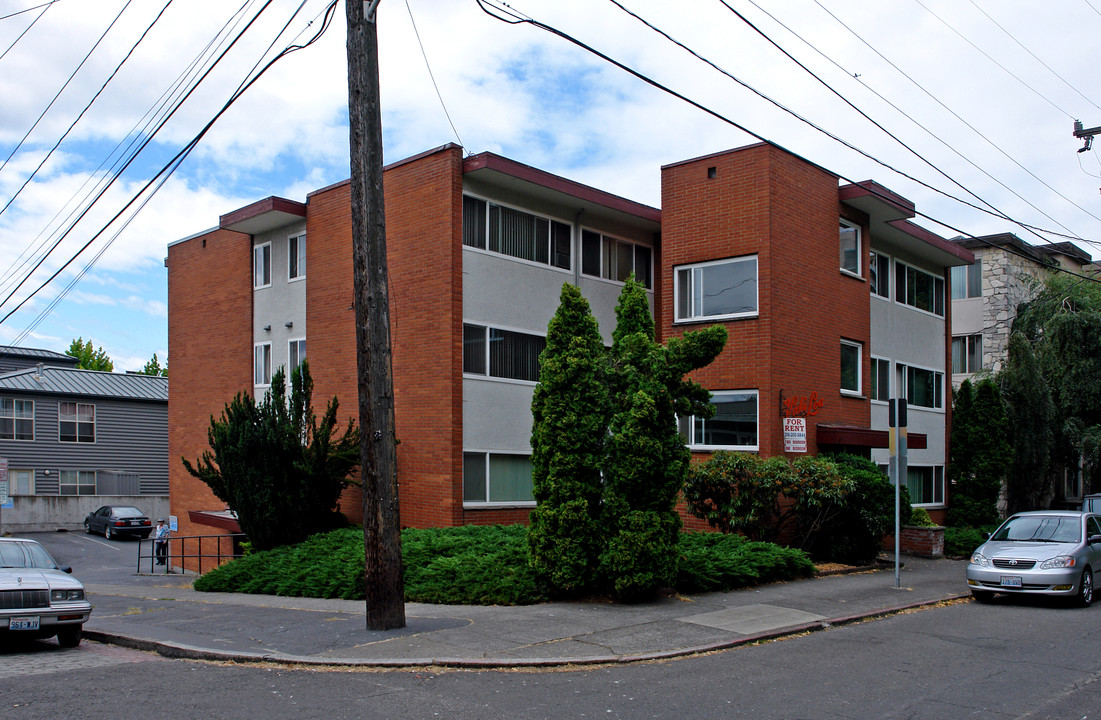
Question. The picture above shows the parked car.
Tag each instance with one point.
(37, 597)
(114, 520)
(1040, 552)
(1091, 503)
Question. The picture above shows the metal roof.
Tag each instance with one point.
(86, 383)
(38, 354)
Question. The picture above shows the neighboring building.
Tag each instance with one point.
(479, 248)
(77, 439)
(986, 294)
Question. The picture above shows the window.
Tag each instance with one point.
(261, 265)
(967, 354)
(496, 478)
(919, 289)
(296, 353)
(506, 353)
(21, 482)
(926, 484)
(613, 259)
(850, 246)
(924, 388)
(881, 379)
(967, 281)
(16, 419)
(76, 422)
(879, 272)
(261, 374)
(77, 482)
(516, 233)
(733, 427)
(296, 257)
(716, 290)
(850, 367)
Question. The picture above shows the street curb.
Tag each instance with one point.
(179, 651)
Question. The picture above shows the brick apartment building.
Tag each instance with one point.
(822, 326)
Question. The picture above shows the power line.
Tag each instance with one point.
(170, 168)
(1034, 56)
(993, 210)
(508, 15)
(65, 85)
(86, 108)
(996, 211)
(430, 75)
(975, 130)
(986, 55)
(44, 6)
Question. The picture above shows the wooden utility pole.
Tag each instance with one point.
(378, 447)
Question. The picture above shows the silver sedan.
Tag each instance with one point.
(1041, 552)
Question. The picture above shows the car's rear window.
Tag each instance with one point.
(127, 512)
(1053, 528)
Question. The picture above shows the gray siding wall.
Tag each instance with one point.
(281, 303)
(131, 438)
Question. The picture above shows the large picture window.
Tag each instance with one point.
(723, 289)
(16, 419)
(76, 422)
(496, 478)
(607, 257)
(516, 233)
(501, 353)
(850, 246)
(919, 289)
(733, 427)
(926, 484)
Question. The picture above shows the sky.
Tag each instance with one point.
(965, 107)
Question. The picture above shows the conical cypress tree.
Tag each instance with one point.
(1029, 401)
(569, 413)
(647, 459)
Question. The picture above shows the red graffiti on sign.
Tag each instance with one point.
(800, 405)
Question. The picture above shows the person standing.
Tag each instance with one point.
(160, 542)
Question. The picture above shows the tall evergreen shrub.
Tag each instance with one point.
(980, 454)
(569, 412)
(1028, 398)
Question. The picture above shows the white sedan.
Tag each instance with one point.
(37, 597)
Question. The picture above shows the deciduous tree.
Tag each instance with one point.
(89, 357)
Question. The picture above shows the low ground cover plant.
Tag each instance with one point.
(480, 565)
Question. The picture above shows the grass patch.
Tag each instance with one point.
(480, 565)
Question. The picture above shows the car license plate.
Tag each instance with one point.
(1011, 581)
(23, 623)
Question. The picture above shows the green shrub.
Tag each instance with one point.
(961, 542)
(853, 536)
(716, 562)
(479, 565)
(920, 518)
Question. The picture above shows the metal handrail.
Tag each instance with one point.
(194, 542)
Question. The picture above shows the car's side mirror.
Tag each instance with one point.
(1094, 539)
(69, 568)
(986, 536)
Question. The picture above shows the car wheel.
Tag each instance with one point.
(87, 527)
(1085, 588)
(107, 532)
(68, 637)
(982, 596)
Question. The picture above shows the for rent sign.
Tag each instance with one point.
(795, 434)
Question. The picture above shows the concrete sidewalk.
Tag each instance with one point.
(164, 614)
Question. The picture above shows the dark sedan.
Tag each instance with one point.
(116, 520)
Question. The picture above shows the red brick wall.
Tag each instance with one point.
(767, 202)
(210, 350)
(423, 199)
